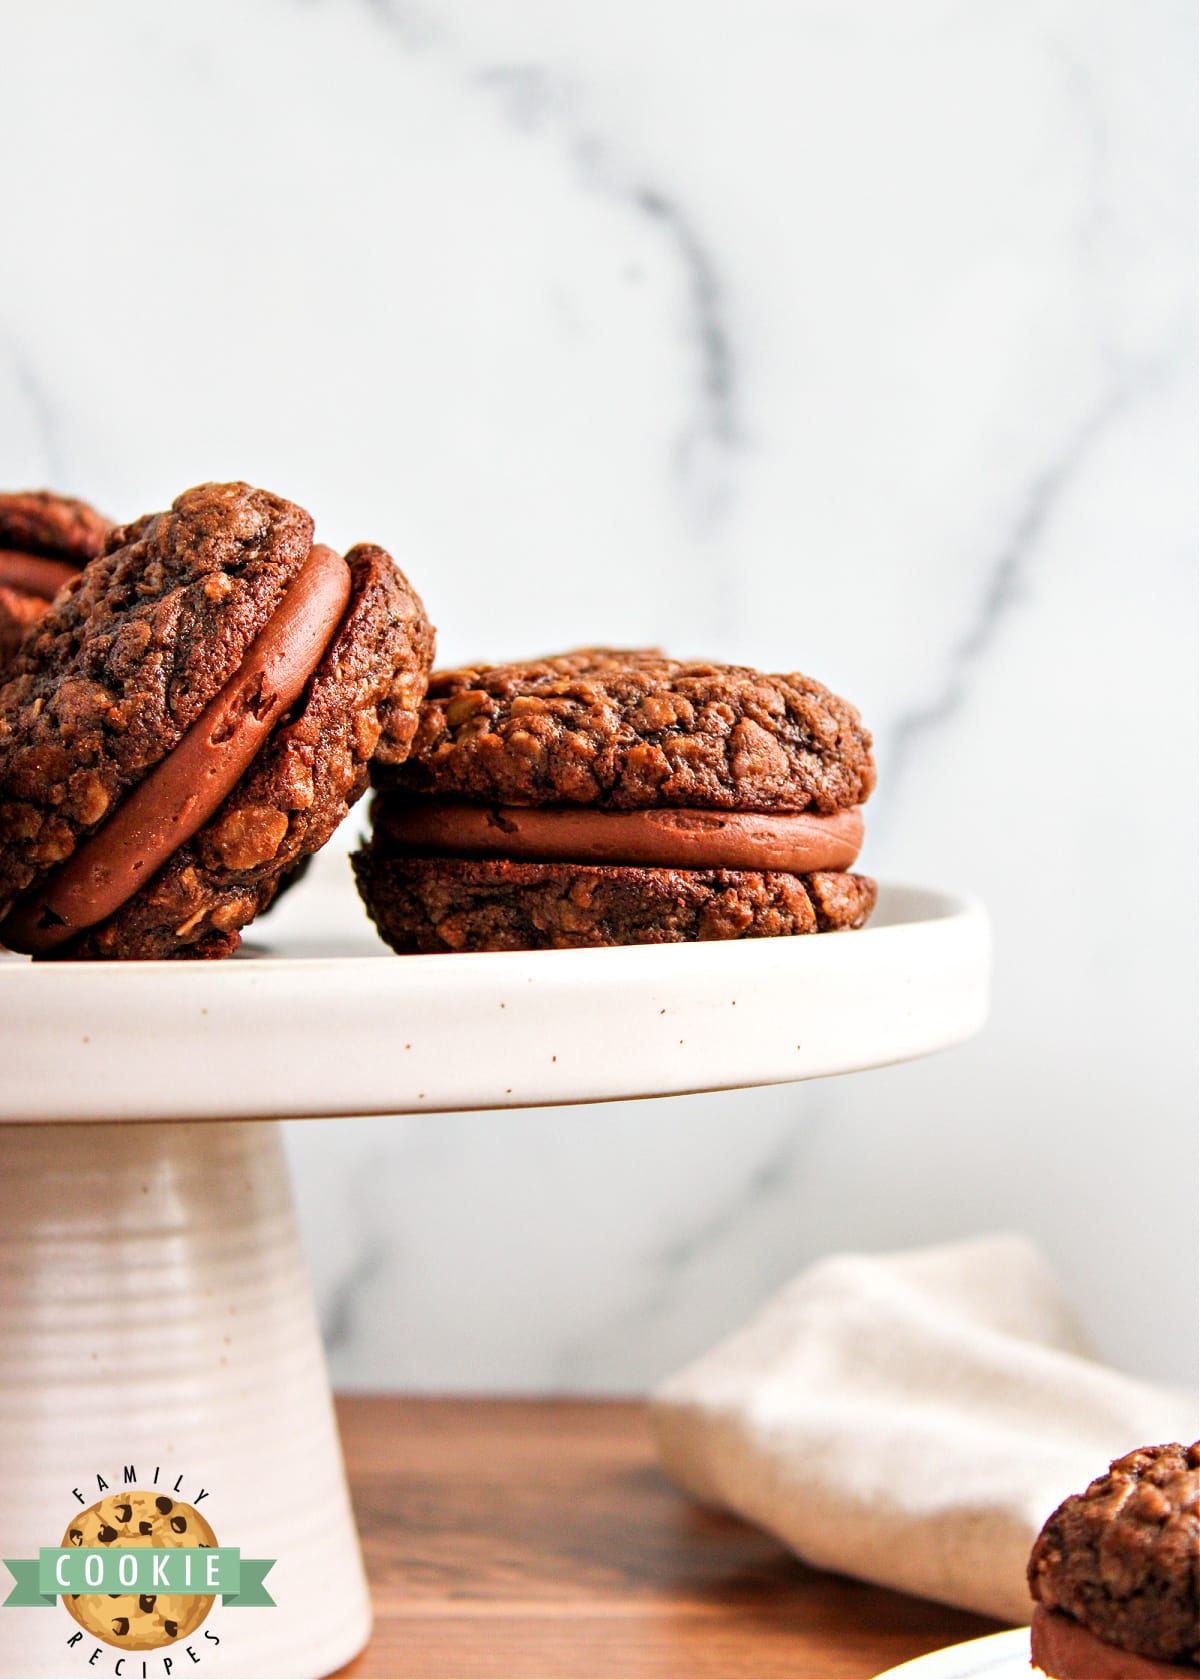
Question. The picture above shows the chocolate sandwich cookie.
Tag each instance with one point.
(190, 720)
(1116, 1572)
(44, 540)
(612, 798)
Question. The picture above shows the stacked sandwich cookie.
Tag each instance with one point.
(193, 701)
(190, 719)
(1115, 1573)
(613, 798)
(44, 541)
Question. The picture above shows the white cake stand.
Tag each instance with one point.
(154, 1306)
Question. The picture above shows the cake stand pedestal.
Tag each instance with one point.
(155, 1314)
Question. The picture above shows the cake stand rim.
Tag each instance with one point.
(220, 1040)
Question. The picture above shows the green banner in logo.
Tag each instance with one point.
(251, 1594)
(25, 1594)
(187, 1571)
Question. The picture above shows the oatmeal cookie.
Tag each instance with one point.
(619, 798)
(1122, 1559)
(630, 730)
(59, 527)
(298, 790)
(108, 681)
(461, 904)
(44, 540)
(190, 720)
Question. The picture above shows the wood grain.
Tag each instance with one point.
(538, 1539)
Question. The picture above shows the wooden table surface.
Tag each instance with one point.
(538, 1538)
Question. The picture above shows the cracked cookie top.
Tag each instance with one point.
(629, 730)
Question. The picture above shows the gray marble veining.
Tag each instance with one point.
(843, 336)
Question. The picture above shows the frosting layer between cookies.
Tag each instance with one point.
(34, 574)
(1062, 1648)
(184, 790)
(671, 838)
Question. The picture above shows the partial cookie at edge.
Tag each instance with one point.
(44, 526)
(1123, 1558)
(17, 612)
(43, 523)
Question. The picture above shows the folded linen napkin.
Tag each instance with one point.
(911, 1419)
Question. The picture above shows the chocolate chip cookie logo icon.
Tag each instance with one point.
(147, 1521)
(140, 1569)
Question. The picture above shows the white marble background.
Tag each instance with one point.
(851, 335)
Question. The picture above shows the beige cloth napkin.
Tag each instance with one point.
(911, 1419)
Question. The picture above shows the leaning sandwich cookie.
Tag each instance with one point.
(1115, 1573)
(190, 720)
(607, 798)
(45, 539)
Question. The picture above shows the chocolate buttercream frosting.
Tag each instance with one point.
(670, 837)
(186, 787)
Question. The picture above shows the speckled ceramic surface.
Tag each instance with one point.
(155, 1314)
(317, 1017)
(154, 1307)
